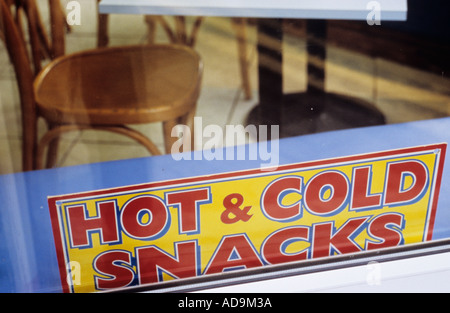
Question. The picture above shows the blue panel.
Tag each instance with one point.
(27, 253)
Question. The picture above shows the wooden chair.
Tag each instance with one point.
(179, 33)
(103, 89)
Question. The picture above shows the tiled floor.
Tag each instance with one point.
(403, 94)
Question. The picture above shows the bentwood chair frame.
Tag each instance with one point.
(39, 95)
(43, 46)
(181, 33)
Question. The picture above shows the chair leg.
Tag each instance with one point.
(152, 22)
(188, 120)
(102, 33)
(241, 36)
(167, 133)
(50, 138)
(102, 29)
(29, 148)
(151, 27)
(55, 132)
(134, 134)
(52, 153)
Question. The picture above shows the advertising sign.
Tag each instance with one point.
(155, 232)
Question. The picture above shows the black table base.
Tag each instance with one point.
(314, 110)
(307, 113)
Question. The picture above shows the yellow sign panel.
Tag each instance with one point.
(150, 233)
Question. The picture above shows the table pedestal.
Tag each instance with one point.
(314, 110)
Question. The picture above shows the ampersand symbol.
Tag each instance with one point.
(233, 207)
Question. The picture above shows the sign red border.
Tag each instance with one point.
(52, 201)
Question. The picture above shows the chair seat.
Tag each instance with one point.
(120, 85)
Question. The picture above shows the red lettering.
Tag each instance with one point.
(144, 217)
(116, 266)
(361, 199)
(188, 207)
(153, 262)
(272, 197)
(387, 229)
(80, 225)
(396, 191)
(233, 252)
(325, 239)
(315, 197)
(274, 248)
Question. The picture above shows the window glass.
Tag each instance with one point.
(143, 144)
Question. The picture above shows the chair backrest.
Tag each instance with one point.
(18, 54)
(58, 26)
(43, 46)
(40, 46)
